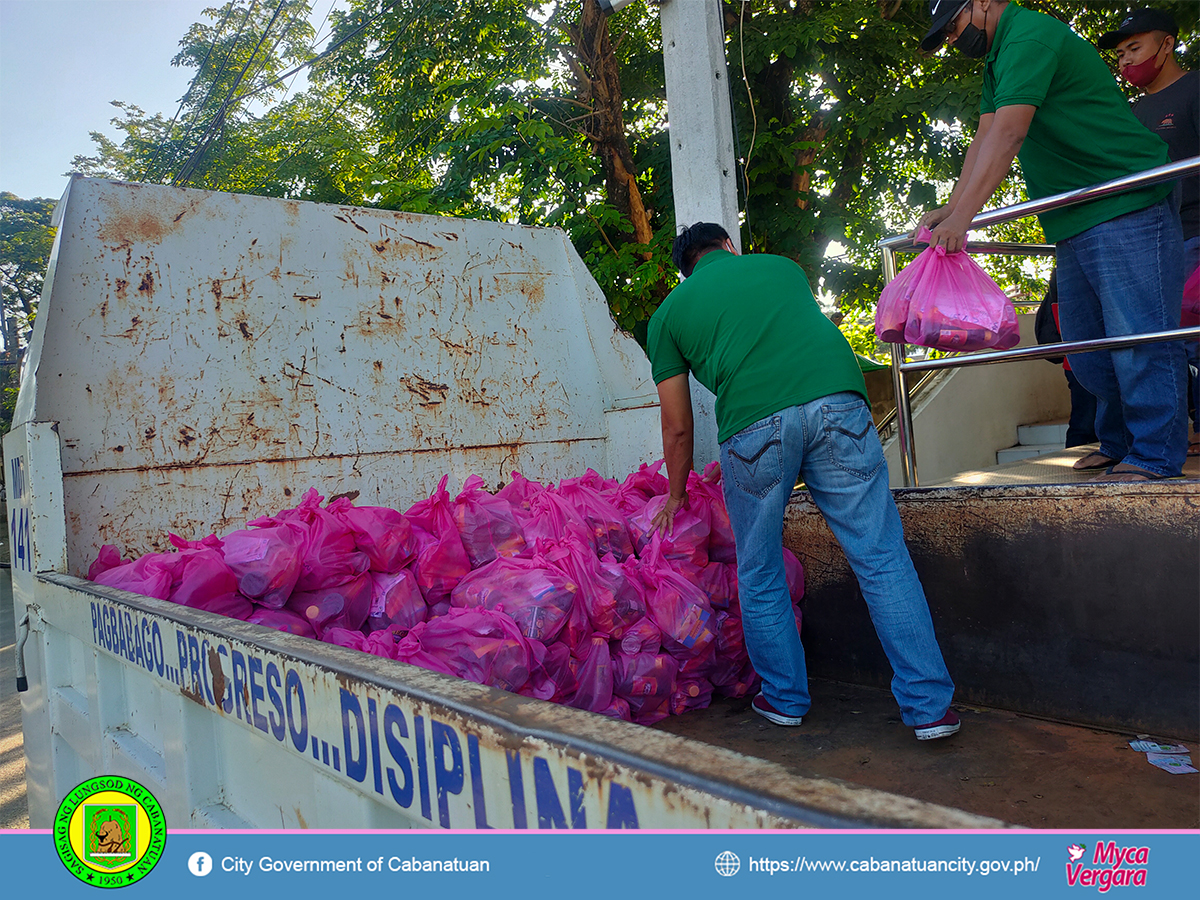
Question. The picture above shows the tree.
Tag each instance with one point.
(26, 237)
(553, 114)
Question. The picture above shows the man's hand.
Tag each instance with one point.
(664, 521)
(931, 219)
(951, 233)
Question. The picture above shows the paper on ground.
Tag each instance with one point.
(1171, 762)
(1155, 747)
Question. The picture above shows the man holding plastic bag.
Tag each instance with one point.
(791, 402)
(1048, 96)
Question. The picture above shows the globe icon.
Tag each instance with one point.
(728, 863)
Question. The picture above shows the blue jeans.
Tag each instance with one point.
(832, 444)
(1125, 276)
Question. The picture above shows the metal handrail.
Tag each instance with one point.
(903, 242)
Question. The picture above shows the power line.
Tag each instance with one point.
(218, 71)
(219, 118)
(324, 54)
(188, 93)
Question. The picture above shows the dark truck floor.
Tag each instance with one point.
(1022, 770)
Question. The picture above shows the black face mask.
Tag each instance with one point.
(973, 42)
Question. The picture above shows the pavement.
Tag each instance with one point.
(14, 807)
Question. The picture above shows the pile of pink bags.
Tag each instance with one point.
(945, 301)
(563, 593)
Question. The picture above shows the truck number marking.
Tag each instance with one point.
(18, 521)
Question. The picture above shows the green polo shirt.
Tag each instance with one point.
(750, 330)
(1083, 131)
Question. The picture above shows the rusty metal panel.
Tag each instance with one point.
(206, 353)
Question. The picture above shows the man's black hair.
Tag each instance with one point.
(694, 242)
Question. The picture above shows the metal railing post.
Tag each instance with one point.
(904, 425)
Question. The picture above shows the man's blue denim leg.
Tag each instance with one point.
(831, 442)
(1123, 277)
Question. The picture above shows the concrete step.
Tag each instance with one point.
(1025, 451)
(1043, 433)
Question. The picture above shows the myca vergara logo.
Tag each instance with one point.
(1110, 866)
(109, 831)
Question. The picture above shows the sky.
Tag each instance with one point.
(63, 62)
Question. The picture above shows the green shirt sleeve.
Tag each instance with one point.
(665, 359)
(1022, 74)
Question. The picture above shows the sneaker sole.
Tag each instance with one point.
(778, 719)
(929, 734)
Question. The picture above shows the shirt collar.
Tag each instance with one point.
(709, 257)
(1001, 31)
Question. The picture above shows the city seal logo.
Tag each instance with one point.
(109, 831)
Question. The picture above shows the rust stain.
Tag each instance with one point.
(214, 663)
(104, 305)
(426, 390)
(196, 696)
(147, 285)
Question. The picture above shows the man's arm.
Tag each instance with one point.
(675, 407)
(998, 142)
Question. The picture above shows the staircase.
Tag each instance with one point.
(1035, 440)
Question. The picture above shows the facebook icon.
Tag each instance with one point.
(200, 864)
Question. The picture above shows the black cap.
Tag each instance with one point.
(1139, 22)
(943, 12)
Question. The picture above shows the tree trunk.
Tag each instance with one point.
(599, 79)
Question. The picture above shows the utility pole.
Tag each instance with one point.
(703, 164)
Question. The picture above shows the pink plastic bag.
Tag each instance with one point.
(685, 546)
(946, 301)
(793, 572)
(487, 524)
(639, 487)
(441, 559)
(150, 575)
(605, 523)
(732, 673)
(611, 593)
(476, 644)
(891, 313)
(956, 306)
(396, 601)
(265, 561)
(718, 581)
(676, 605)
(593, 672)
(550, 518)
(707, 500)
(643, 636)
(329, 556)
(519, 492)
(281, 620)
(202, 580)
(1191, 301)
(341, 605)
(552, 677)
(646, 682)
(108, 558)
(691, 693)
(535, 594)
(378, 643)
(383, 534)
